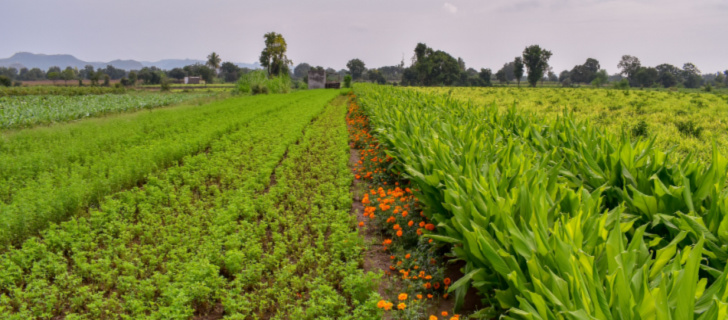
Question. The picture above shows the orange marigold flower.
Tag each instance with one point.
(361, 223)
(422, 224)
(407, 256)
(396, 227)
(391, 257)
(419, 296)
(388, 306)
(387, 242)
(433, 317)
(381, 304)
(429, 241)
(445, 296)
(436, 285)
(399, 233)
(402, 296)
(410, 223)
(401, 306)
(429, 296)
(408, 190)
(428, 277)
(444, 313)
(430, 226)
(404, 214)
(446, 281)
(391, 268)
(427, 286)
(419, 231)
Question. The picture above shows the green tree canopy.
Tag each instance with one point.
(356, 68)
(273, 57)
(432, 68)
(485, 75)
(629, 66)
(536, 60)
(213, 61)
(518, 69)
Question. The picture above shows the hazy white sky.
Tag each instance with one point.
(380, 32)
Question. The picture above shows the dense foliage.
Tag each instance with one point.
(557, 219)
(258, 82)
(51, 174)
(686, 121)
(256, 226)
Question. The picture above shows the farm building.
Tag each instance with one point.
(192, 80)
(319, 79)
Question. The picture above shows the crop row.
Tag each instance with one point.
(257, 227)
(54, 90)
(31, 110)
(50, 174)
(687, 122)
(557, 219)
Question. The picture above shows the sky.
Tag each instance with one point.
(486, 34)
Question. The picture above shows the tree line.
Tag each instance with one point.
(430, 67)
(212, 71)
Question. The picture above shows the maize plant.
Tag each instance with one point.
(558, 219)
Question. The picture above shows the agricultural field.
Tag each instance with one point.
(687, 121)
(553, 217)
(380, 203)
(21, 111)
(238, 208)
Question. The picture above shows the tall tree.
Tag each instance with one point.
(53, 76)
(668, 75)
(645, 77)
(485, 75)
(501, 76)
(229, 72)
(356, 68)
(536, 60)
(273, 57)
(213, 61)
(68, 74)
(629, 65)
(564, 75)
(301, 70)
(518, 69)
(586, 72)
(691, 76)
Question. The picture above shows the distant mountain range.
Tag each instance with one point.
(45, 61)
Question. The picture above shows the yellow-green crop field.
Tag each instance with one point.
(687, 121)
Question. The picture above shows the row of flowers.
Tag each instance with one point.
(392, 209)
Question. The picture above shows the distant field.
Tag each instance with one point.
(74, 83)
(688, 121)
(30, 110)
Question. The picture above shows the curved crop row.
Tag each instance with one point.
(557, 219)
